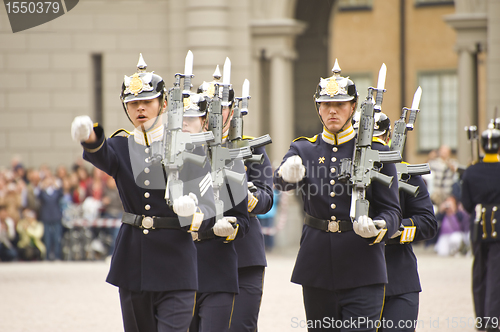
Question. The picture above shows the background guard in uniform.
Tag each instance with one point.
(251, 250)
(342, 272)
(481, 198)
(154, 261)
(400, 312)
(217, 257)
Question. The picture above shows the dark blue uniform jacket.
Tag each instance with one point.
(481, 185)
(338, 260)
(164, 259)
(251, 251)
(401, 261)
(217, 260)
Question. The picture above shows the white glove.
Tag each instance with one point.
(251, 186)
(292, 169)
(366, 227)
(81, 128)
(185, 206)
(224, 227)
(398, 233)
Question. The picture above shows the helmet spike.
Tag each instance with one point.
(217, 74)
(141, 64)
(336, 68)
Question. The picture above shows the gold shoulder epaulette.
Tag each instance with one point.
(310, 139)
(121, 132)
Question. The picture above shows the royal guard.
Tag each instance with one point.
(217, 256)
(340, 264)
(251, 249)
(154, 263)
(481, 198)
(418, 223)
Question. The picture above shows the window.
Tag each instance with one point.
(437, 122)
(355, 5)
(97, 80)
(421, 3)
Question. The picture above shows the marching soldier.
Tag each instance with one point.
(419, 222)
(481, 198)
(250, 249)
(154, 263)
(340, 264)
(217, 256)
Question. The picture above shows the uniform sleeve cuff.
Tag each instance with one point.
(97, 145)
(407, 222)
(252, 202)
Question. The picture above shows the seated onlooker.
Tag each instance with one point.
(13, 200)
(452, 228)
(30, 245)
(8, 236)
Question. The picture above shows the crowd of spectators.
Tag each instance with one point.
(38, 205)
(444, 185)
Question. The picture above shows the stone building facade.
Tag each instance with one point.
(75, 64)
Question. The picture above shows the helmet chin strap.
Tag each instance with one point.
(228, 120)
(156, 119)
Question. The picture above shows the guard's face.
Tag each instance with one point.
(192, 124)
(335, 114)
(143, 112)
(227, 112)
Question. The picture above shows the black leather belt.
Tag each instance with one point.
(206, 235)
(344, 225)
(146, 222)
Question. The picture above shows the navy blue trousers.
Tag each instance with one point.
(353, 309)
(486, 283)
(156, 311)
(247, 301)
(400, 313)
(212, 312)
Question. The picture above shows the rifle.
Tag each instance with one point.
(236, 128)
(401, 129)
(472, 135)
(220, 156)
(365, 164)
(177, 146)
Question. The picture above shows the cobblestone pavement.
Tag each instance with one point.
(73, 296)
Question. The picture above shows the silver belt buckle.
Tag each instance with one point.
(147, 224)
(332, 228)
